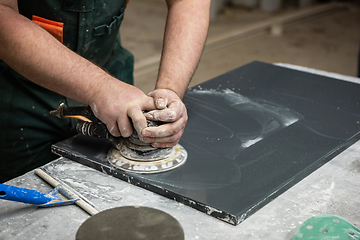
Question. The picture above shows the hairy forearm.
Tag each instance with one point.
(184, 38)
(38, 56)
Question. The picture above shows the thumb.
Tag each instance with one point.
(161, 98)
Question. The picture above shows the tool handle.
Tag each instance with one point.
(24, 195)
(63, 111)
(99, 130)
(81, 203)
(96, 129)
(93, 129)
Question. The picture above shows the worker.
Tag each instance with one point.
(69, 51)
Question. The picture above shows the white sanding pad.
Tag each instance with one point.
(176, 158)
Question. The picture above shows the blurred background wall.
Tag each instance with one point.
(318, 34)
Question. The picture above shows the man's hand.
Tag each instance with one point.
(172, 111)
(116, 103)
(185, 33)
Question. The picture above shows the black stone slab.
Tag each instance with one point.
(252, 133)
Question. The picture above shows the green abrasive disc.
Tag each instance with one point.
(327, 227)
(131, 223)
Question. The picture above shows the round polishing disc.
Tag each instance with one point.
(131, 223)
(176, 158)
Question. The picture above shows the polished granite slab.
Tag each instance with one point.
(252, 133)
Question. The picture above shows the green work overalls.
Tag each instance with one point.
(91, 29)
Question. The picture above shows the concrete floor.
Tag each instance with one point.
(329, 42)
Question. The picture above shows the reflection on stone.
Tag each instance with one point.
(225, 122)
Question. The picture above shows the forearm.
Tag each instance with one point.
(38, 56)
(185, 35)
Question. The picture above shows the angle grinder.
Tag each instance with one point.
(129, 154)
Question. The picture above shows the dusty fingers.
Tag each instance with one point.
(166, 135)
(161, 97)
(120, 106)
(174, 115)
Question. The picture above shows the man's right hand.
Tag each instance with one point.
(115, 103)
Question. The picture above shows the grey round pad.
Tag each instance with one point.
(131, 223)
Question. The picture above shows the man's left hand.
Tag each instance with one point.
(172, 111)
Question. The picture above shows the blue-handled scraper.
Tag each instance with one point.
(59, 196)
(56, 197)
